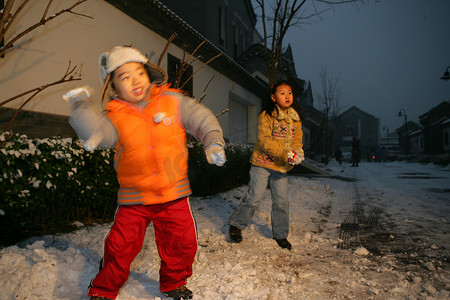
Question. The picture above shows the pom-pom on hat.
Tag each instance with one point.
(116, 57)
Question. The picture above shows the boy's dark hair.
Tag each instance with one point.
(270, 104)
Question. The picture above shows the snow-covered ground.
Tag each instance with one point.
(379, 231)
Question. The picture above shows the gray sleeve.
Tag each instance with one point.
(199, 121)
(92, 126)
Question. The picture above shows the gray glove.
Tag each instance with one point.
(77, 97)
(78, 94)
(215, 154)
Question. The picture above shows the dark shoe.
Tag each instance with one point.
(235, 234)
(284, 243)
(99, 298)
(180, 293)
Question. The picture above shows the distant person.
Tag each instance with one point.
(356, 152)
(338, 155)
(146, 122)
(277, 150)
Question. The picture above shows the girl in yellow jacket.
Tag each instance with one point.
(278, 148)
(146, 122)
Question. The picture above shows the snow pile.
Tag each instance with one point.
(60, 267)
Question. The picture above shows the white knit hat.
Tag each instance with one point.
(119, 55)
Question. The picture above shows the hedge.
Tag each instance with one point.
(46, 185)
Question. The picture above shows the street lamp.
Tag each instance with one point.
(446, 75)
(402, 113)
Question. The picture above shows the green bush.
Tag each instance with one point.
(48, 184)
(209, 179)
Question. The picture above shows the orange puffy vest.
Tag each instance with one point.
(151, 154)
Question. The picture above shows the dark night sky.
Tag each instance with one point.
(387, 56)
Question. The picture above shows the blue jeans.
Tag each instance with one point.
(259, 177)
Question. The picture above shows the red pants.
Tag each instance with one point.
(175, 237)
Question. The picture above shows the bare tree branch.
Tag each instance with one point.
(223, 112)
(206, 63)
(204, 90)
(185, 65)
(71, 74)
(42, 22)
(278, 17)
(46, 10)
(7, 20)
(329, 99)
(329, 2)
(6, 17)
(174, 35)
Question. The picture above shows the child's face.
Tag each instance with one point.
(283, 97)
(131, 82)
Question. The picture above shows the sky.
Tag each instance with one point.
(387, 56)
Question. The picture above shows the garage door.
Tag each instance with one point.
(238, 122)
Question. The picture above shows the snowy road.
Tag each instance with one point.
(379, 231)
(412, 199)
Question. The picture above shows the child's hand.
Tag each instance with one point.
(215, 154)
(78, 94)
(295, 158)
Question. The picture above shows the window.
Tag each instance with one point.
(349, 131)
(446, 139)
(235, 40)
(222, 22)
(243, 38)
(173, 71)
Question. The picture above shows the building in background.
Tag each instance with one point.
(356, 123)
(408, 134)
(389, 137)
(415, 139)
(436, 129)
(230, 25)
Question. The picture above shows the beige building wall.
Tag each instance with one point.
(43, 56)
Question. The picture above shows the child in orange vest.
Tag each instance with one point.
(146, 122)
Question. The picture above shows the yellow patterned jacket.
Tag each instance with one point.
(278, 133)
